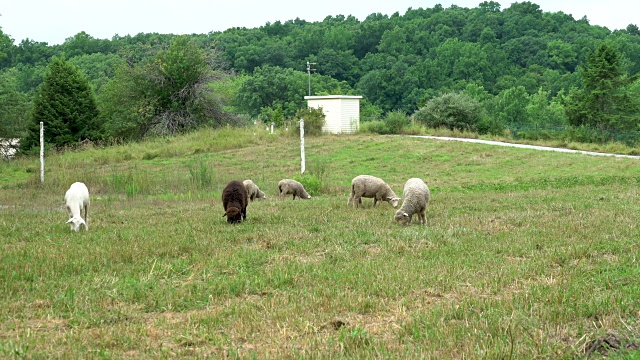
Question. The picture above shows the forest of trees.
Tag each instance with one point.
(518, 70)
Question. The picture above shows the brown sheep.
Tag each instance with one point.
(235, 200)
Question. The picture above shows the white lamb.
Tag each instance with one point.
(76, 199)
(416, 198)
(371, 187)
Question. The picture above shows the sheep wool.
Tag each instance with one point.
(289, 186)
(368, 186)
(234, 201)
(253, 191)
(76, 200)
(416, 198)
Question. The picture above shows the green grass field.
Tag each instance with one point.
(527, 254)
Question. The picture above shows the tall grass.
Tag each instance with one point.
(526, 254)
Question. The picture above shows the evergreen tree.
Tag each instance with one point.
(603, 102)
(66, 105)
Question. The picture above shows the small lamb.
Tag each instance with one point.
(289, 186)
(76, 199)
(253, 191)
(371, 187)
(416, 198)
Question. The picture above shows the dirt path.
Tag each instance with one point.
(523, 146)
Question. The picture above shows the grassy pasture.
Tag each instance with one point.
(527, 254)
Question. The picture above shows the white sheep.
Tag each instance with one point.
(76, 199)
(371, 187)
(416, 198)
(289, 186)
(253, 191)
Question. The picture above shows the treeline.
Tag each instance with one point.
(519, 70)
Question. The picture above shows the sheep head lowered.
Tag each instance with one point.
(77, 201)
(235, 200)
(367, 186)
(76, 223)
(234, 215)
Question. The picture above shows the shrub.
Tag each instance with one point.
(311, 183)
(376, 126)
(314, 120)
(396, 121)
(453, 111)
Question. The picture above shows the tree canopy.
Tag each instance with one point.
(163, 83)
(66, 105)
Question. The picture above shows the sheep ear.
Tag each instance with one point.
(70, 220)
(225, 214)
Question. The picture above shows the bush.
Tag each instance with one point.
(491, 125)
(311, 183)
(396, 121)
(314, 120)
(376, 127)
(454, 111)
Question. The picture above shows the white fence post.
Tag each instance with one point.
(272, 125)
(41, 152)
(302, 146)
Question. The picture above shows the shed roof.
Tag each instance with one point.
(323, 97)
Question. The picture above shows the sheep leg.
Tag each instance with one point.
(86, 217)
(357, 201)
(423, 217)
(352, 195)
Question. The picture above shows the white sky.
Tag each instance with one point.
(52, 21)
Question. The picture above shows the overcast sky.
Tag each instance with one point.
(52, 21)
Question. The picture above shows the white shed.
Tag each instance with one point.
(342, 112)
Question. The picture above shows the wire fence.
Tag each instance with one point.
(570, 133)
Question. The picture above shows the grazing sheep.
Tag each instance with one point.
(77, 199)
(416, 198)
(371, 187)
(288, 186)
(253, 191)
(235, 200)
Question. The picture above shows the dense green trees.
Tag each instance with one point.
(165, 93)
(5, 43)
(14, 107)
(272, 88)
(524, 67)
(66, 105)
(604, 102)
